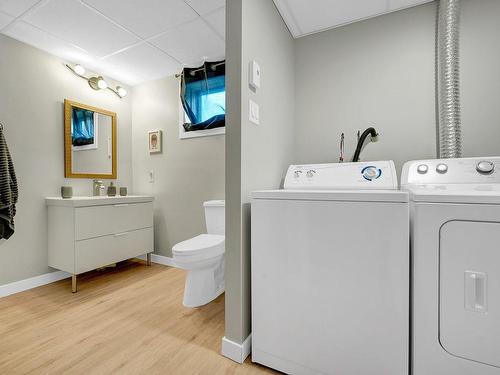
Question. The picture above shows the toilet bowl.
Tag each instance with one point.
(203, 258)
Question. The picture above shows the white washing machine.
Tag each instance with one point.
(330, 271)
(455, 246)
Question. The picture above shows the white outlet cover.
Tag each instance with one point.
(253, 112)
(254, 74)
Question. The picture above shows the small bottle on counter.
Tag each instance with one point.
(111, 190)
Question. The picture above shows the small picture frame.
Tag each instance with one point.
(154, 141)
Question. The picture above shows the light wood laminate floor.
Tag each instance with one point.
(128, 320)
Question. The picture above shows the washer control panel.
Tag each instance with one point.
(452, 171)
(485, 167)
(371, 172)
(441, 168)
(423, 168)
(342, 176)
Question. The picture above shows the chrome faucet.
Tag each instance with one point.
(98, 188)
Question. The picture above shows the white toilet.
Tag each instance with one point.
(203, 258)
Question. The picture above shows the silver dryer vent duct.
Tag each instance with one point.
(448, 29)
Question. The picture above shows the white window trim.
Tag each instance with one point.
(183, 134)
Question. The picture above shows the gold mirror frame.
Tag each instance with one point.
(68, 154)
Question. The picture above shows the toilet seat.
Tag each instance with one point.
(204, 246)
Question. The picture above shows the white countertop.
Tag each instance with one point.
(97, 201)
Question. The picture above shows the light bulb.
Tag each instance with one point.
(121, 91)
(80, 70)
(101, 83)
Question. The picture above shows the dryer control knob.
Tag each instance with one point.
(485, 167)
(422, 169)
(441, 168)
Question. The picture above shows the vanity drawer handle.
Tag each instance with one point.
(121, 205)
(121, 234)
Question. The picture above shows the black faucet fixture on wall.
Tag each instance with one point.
(372, 133)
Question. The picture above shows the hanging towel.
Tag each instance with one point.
(8, 189)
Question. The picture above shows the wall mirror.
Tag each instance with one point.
(89, 141)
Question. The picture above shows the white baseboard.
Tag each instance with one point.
(33, 282)
(160, 259)
(236, 352)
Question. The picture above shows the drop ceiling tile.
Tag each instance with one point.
(401, 4)
(5, 20)
(205, 6)
(305, 17)
(116, 72)
(217, 20)
(147, 17)
(144, 61)
(16, 7)
(71, 21)
(191, 42)
(29, 34)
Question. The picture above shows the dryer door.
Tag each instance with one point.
(469, 265)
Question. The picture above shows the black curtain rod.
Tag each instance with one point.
(213, 66)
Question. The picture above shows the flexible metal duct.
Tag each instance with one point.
(450, 135)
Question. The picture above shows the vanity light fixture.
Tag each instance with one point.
(96, 82)
(78, 69)
(121, 91)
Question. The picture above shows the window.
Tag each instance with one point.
(213, 104)
(84, 129)
(203, 100)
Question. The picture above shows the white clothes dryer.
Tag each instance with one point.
(455, 247)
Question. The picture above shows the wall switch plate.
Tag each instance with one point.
(151, 176)
(254, 74)
(253, 112)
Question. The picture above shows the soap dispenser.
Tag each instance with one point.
(111, 190)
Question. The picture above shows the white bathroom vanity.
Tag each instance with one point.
(85, 233)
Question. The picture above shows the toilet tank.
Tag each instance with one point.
(215, 217)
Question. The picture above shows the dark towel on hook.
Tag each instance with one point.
(8, 189)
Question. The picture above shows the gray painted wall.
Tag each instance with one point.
(381, 72)
(480, 74)
(235, 283)
(187, 172)
(376, 72)
(257, 155)
(34, 85)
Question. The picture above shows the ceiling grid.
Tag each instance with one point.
(134, 41)
(122, 39)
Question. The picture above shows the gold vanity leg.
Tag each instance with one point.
(148, 259)
(73, 284)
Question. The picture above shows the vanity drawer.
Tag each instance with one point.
(98, 221)
(101, 251)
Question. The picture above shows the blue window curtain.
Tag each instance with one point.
(83, 127)
(203, 96)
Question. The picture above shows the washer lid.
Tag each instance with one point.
(457, 193)
(212, 244)
(394, 196)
